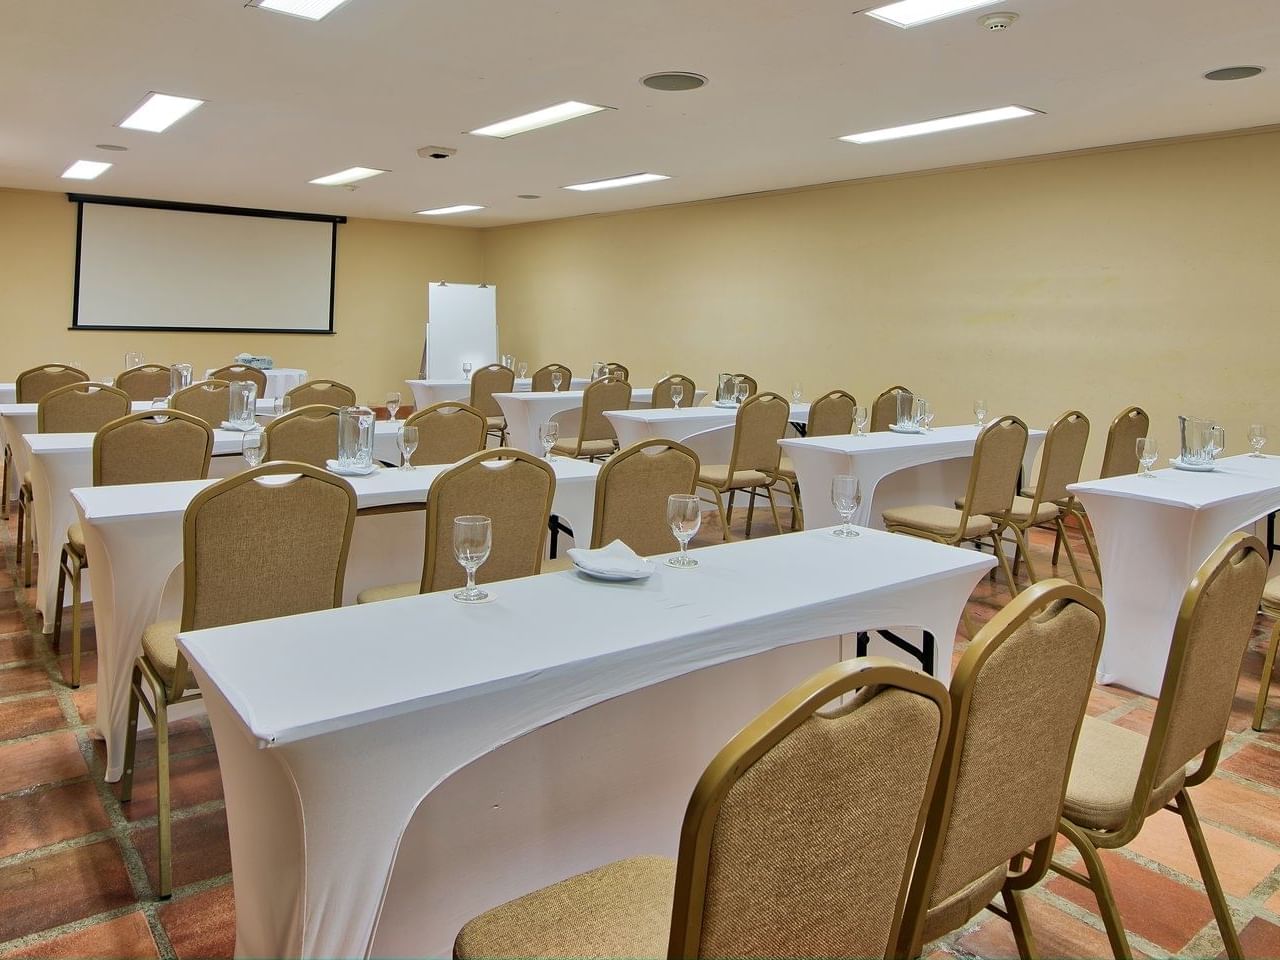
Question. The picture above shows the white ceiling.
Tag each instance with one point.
(290, 100)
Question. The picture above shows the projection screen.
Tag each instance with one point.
(152, 265)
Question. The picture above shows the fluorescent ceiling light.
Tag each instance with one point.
(158, 112)
(458, 208)
(307, 9)
(350, 175)
(618, 182)
(941, 124)
(912, 13)
(86, 170)
(558, 113)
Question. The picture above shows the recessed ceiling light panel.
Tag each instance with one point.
(86, 170)
(158, 112)
(444, 211)
(912, 13)
(350, 175)
(627, 181)
(674, 81)
(1233, 73)
(306, 9)
(557, 113)
(941, 124)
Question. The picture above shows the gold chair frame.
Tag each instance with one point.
(618, 460)
(439, 409)
(587, 410)
(20, 396)
(662, 390)
(566, 376)
(793, 486)
(240, 373)
(321, 385)
(312, 411)
(484, 402)
(884, 411)
(122, 380)
(772, 475)
(208, 386)
(615, 369)
(751, 383)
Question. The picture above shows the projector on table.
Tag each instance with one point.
(260, 363)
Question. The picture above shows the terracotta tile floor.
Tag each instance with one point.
(76, 867)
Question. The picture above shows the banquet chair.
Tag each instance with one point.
(1018, 698)
(884, 412)
(305, 435)
(269, 542)
(148, 447)
(1270, 608)
(661, 399)
(760, 423)
(447, 432)
(993, 481)
(329, 392)
(1047, 501)
(631, 495)
(79, 407)
(596, 437)
(750, 381)
(514, 490)
(542, 382)
(485, 382)
(240, 373)
(615, 369)
(210, 400)
(831, 415)
(30, 387)
(798, 840)
(146, 382)
(1119, 777)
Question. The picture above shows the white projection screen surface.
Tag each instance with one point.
(186, 268)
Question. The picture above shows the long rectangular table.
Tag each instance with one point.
(1153, 534)
(526, 411)
(634, 426)
(392, 770)
(133, 538)
(427, 392)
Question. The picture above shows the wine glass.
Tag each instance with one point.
(283, 405)
(253, 447)
(408, 442)
(393, 404)
(133, 359)
(466, 369)
(1148, 450)
(1257, 438)
(846, 497)
(797, 392)
(549, 433)
(860, 415)
(472, 540)
(557, 378)
(684, 513)
(741, 392)
(980, 412)
(677, 394)
(522, 369)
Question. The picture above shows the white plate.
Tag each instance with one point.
(615, 577)
(333, 467)
(1177, 464)
(898, 428)
(239, 428)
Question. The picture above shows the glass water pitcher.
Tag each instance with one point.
(906, 409)
(1197, 436)
(179, 377)
(355, 437)
(724, 390)
(244, 403)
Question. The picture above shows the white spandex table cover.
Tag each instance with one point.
(8, 393)
(427, 392)
(280, 380)
(429, 748)
(894, 469)
(633, 426)
(133, 538)
(526, 411)
(1152, 537)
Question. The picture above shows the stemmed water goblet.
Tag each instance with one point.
(684, 513)
(1148, 450)
(797, 392)
(1257, 438)
(466, 369)
(980, 412)
(393, 405)
(557, 378)
(548, 434)
(472, 541)
(253, 448)
(677, 394)
(522, 369)
(846, 497)
(408, 442)
(860, 416)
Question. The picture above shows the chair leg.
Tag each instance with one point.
(724, 522)
(8, 465)
(727, 515)
(1090, 544)
(1004, 564)
(22, 519)
(751, 508)
(28, 545)
(1023, 549)
(131, 736)
(773, 505)
(1264, 682)
(62, 590)
(1101, 887)
(1071, 554)
(1221, 911)
(797, 512)
(163, 811)
(1057, 546)
(75, 620)
(1020, 924)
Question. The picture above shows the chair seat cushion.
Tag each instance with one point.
(1104, 775)
(1020, 511)
(940, 521)
(963, 905)
(496, 423)
(786, 468)
(75, 538)
(392, 591)
(556, 564)
(590, 448)
(160, 647)
(717, 475)
(622, 909)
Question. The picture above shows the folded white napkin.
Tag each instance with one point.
(615, 560)
(241, 427)
(343, 470)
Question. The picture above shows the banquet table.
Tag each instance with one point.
(894, 469)
(633, 426)
(280, 380)
(133, 538)
(9, 394)
(526, 411)
(1152, 535)
(468, 754)
(427, 392)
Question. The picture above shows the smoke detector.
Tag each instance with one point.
(998, 21)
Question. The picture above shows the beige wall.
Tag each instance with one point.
(380, 301)
(1147, 276)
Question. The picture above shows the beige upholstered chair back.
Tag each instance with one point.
(82, 407)
(615, 369)
(146, 382)
(210, 400)
(1121, 454)
(762, 421)
(152, 447)
(239, 373)
(447, 432)
(255, 546)
(329, 392)
(662, 392)
(750, 381)
(305, 435)
(631, 495)
(542, 382)
(1064, 446)
(1209, 641)
(800, 836)
(31, 385)
(997, 458)
(884, 412)
(1018, 699)
(510, 487)
(485, 382)
(601, 396)
(831, 415)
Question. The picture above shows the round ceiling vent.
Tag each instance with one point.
(674, 81)
(1233, 73)
(998, 21)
